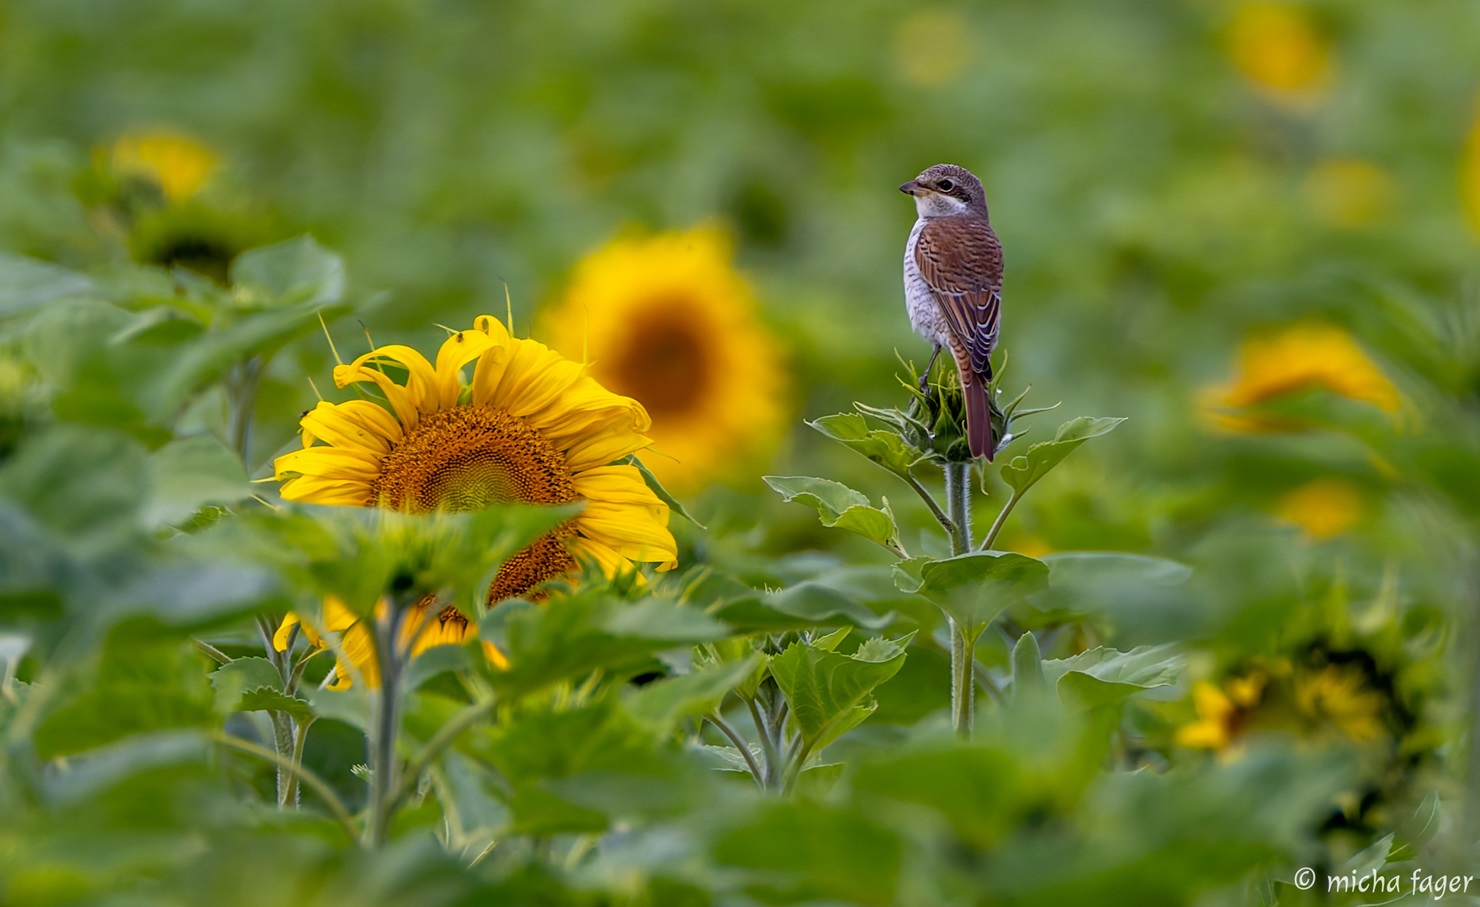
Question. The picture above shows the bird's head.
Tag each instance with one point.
(944, 190)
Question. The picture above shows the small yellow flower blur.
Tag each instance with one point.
(932, 47)
(668, 321)
(1324, 508)
(1279, 49)
(1470, 174)
(1300, 358)
(1214, 728)
(1348, 193)
(177, 163)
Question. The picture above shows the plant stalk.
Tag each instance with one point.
(385, 724)
(963, 640)
(1001, 520)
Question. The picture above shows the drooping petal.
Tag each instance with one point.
(354, 423)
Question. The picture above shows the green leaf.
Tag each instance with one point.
(807, 852)
(1027, 667)
(841, 507)
(973, 588)
(885, 448)
(806, 604)
(26, 283)
(298, 271)
(1020, 473)
(232, 680)
(664, 703)
(142, 682)
(88, 776)
(268, 699)
(828, 692)
(1104, 676)
(657, 488)
(588, 631)
(189, 473)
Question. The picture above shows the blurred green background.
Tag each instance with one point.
(1168, 180)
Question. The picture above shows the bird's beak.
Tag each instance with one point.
(912, 187)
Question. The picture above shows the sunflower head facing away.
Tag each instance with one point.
(668, 320)
(530, 427)
(168, 162)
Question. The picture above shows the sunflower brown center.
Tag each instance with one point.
(472, 457)
(670, 369)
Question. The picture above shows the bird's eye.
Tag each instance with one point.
(945, 185)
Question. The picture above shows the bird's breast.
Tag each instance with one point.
(919, 301)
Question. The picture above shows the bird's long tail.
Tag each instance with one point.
(978, 419)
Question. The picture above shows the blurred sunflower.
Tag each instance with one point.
(1299, 358)
(531, 427)
(1470, 174)
(1280, 50)
(152, 185)
(169, 162)
(1348, 193)
(1324, 508)
(667, 320)
(1222, 711)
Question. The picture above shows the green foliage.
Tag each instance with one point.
(839, 506)
(1022, 472)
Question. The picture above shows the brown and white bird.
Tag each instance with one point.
(953, 285)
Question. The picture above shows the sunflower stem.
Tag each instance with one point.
(963, 640)
(317, 784)
(241, 389)
(385, 722)
(998, 523)
(741, 745)
(932, 504)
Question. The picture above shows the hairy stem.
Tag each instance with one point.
(958, 506)
(439, 742)
(741, 745)
(315, 783)
(773, 759)
(963, 679)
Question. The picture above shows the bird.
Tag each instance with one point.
(953, 285)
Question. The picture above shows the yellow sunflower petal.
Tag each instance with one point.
(352, 423)
(457, 351)
(632, 535)
(328, 463)
(604, 447)
(534, 377)
(418, 395)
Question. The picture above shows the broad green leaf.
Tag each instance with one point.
(589, 631)
(576, 770)
(808, 852)
(664, 703)
(192, 595)
(189, 473)
(87, 776)
(142, 682)
(806, 604)
(979, 791)
(351, 706)
(1020, 473)
(1104, 676)
(297, 271)
(885, 448)
(85, 487)
(825, 689)
(232, 680)
(268, 699)
(973, 588)
(841, 507)
(26, 283)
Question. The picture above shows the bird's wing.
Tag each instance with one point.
(961, 260)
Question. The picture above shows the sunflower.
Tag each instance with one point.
(530, 427)
(1279, 49)
(1324, 508)
(1300, 358)
(668, 320)
(176, 164)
